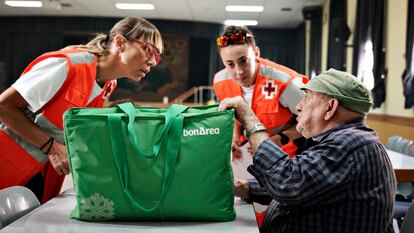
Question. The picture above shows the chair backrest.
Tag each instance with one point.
(404, 145)
(392, 143)
(408, 223)
(410, 151)
(399, 144)
(15, 202)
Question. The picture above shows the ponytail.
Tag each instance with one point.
(97, 45)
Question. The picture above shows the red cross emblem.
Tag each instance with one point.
(269, 89)
(108, 90)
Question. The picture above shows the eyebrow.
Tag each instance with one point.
(240, 58)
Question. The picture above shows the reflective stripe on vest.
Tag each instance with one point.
(29, 148)
(271, 112)
(50, 128)
(75, 57)
(77, 87)
(47, 127)
(275, 74)
(221, 76)
(291, 96)
(81, 58)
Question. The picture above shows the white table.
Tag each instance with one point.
(403, 166)
(53, 217)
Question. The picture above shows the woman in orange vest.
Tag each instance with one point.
(33, 153)
(270, 89)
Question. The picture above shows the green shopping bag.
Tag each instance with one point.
(149, 164)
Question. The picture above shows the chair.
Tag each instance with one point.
(408, 223)
(405, 190)
(15, 202)
(399, 144)
(393, 142)
(410, 150)
(403, 145)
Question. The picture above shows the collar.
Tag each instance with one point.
(356, 121)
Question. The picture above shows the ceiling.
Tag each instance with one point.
(189, 10)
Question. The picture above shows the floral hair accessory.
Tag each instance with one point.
(233, 39)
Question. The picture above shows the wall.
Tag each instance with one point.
(325, 33)
(387, 126)
(391, 118)
(24, 38)
(396, 39)
(394, 104)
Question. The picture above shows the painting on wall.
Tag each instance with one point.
(167, 80)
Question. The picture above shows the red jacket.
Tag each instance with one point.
(271, 81)
(20, 160)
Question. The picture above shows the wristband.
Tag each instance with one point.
(258, 127)
(49, 144)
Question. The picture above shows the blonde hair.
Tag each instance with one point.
(130, 28)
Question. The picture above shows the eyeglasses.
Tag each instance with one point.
(150, 50)
(236, 38)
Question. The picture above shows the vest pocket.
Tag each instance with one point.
(267, 107)
(75, 97)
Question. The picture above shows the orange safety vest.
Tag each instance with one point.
(271, 80)
(20, 160)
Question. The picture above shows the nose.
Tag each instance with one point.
(152, 62)
(299, 106)
(239, 70)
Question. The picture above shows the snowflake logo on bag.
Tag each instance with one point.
(97, 207)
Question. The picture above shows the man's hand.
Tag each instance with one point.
(236, 150)
(241, 188)
(58, 158)
(242, 110)
(236, 142)
(246, 117)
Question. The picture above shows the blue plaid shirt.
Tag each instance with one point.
(344, 183)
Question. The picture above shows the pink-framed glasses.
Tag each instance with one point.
(150, 50)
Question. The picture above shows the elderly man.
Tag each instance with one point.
(344, 183)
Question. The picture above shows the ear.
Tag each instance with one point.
(257, 52)
(331, 109)
(120, 42)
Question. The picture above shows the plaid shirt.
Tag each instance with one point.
(344, 183)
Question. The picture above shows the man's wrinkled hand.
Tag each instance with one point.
(236, 148)
(242, 110)
(241, 188)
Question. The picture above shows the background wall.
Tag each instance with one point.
(403, 123)
(391, 118)
(24, 38)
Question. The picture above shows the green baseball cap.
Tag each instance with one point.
(346, 88)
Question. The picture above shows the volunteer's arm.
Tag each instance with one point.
(11, 103)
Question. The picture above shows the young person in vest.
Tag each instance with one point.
(33, 153)
(270, 89)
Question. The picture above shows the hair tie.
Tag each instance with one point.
(48, 144)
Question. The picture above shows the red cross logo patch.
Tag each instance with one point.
(269, 89)
(108, 90)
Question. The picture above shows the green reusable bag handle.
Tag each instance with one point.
(172, 112)
(175, 128)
